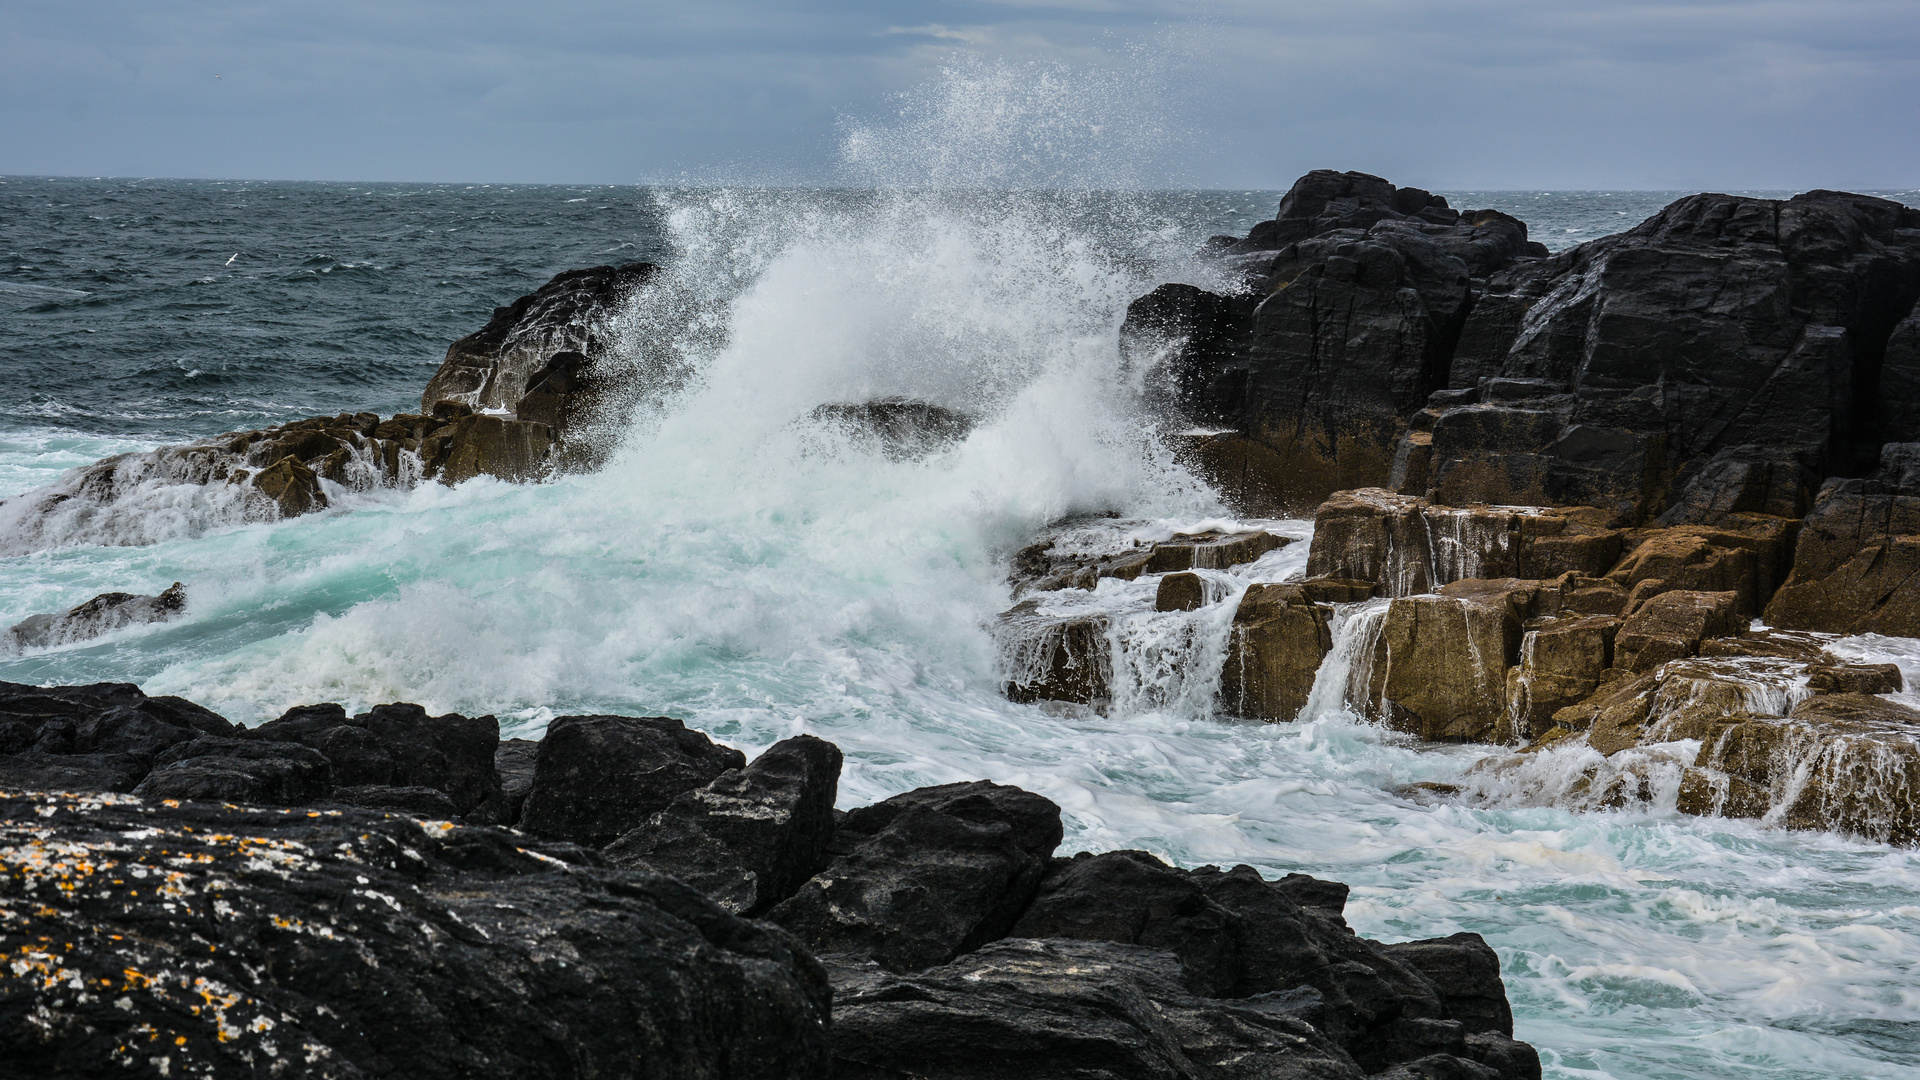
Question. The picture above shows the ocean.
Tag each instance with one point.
(759, 578)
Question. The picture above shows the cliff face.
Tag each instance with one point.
(1448, 357)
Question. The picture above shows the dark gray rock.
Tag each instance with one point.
(35, 770)
(400, 745)
(750, 838)
(347, 944)
(599, 777)
(1024, 1009)
(926, 875)
(239, 771)
(422, 802)
(513, 762)
(103, 613)
(1466, 972)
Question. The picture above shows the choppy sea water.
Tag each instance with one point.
(760, 578)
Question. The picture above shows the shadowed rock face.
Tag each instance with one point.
(225, 941)
(1715, 359)
(900, 428)
(225, 937)
(496, 366)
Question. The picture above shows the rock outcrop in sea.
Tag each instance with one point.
(358, 895)
(1619, 498)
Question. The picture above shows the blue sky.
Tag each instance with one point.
(1470, 94)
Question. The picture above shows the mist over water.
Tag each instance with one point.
(761, 574)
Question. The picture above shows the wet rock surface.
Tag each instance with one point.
(358, 932)
(200, 939)
(102, 614)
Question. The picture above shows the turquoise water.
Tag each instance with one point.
(761, 577)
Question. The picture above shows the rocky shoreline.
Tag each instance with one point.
(394, 893)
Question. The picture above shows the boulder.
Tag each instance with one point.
(1044, 1008)
(1274, 648)
(1699, 558)
(512, 450)
(1212, 551)
(1671, 626)
(226, 941)
(598, 777)
(100, 615)
(1438, 668)
(291, 486)
(494, 367)
(927, 875)
(1465, 971)
(238, 771)
(1561, 663)
(104, 736)
(1410, 545)
(1183, 591)
(752, 836)
(1055, 657)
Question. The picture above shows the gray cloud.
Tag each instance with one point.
(1478, 93)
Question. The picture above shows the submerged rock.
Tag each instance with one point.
(102, 614)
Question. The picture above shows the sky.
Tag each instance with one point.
(1486, 94)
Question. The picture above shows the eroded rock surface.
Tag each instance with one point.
(200, 939)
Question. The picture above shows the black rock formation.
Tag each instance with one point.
(1718, 358)
(598, 777)
(361, 930)
(202, 939)
(927, 875)
(753, 836)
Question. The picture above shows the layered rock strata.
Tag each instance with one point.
(172, 935)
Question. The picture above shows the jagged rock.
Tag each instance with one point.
(1055, 657)
(1748, 558)
(1804, 296)
(238, 770)
(751, 837)
(1410, 545)
(1560, 664)
(399, 745)
(100, 615)
(598, 777)
(513, 450)
(927, 875)
(238, 942)
(1465, 971)
(1855, 563)
(903, 429)
(492, 368)
(1042, 566)
(1236, 935)
(102, 737)
(1671, 626)
(1346, 329)
(1848, 762)
(513, 762)
(1278, 638)
(291, 486)
(1024, 1008)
